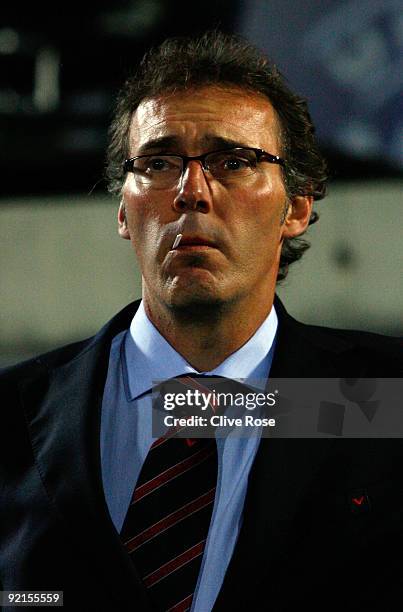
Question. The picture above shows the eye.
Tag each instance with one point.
(224, 163)
(158, 164)
(152, 165)
(235, 163)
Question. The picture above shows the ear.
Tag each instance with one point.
(298, 215)
(122, 222)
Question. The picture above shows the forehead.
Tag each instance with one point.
(194, 119)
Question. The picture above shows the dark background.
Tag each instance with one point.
(63, 64)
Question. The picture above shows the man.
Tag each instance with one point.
(216, 167)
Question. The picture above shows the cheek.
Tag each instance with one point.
(263, 212)
(142, 216)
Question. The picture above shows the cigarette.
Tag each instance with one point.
(177, 241)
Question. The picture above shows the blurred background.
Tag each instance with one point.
(65, 272)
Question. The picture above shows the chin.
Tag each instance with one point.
(200, 303)
(182, 298)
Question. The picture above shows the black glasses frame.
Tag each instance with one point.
(261, 155)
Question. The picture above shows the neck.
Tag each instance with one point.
(205, 335)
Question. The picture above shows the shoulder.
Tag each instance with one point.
(58, 357)
(356, 338)
(370, 353)
(34, 374)
(48, 360)
(325, 351)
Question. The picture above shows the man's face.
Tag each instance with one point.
(241, 220)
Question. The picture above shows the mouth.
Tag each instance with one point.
(195, 243)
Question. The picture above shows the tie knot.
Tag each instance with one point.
(203, 388)
(195, 405)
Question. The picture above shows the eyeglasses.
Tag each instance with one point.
(161, 171)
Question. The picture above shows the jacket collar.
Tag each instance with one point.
(305, 351)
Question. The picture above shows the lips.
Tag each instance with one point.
(195, 241)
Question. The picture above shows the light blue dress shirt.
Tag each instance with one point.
(138, 358)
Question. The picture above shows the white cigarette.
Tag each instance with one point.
(177, 241)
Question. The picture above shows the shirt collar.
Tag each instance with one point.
(150, 358)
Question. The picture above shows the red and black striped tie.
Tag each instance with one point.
(167, 523)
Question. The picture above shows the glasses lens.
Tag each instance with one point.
(158, 170)
(234, 163)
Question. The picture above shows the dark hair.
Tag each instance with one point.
(215, 58)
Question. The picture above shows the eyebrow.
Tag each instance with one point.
(163, 142)
(172, 143)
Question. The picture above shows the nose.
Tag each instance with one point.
(194, 192)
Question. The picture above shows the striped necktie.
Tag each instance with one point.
(166, 527)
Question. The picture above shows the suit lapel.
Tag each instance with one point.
(64, 425)
(282, 471)
(304, 351)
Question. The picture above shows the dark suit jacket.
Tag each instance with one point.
(300, 543)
